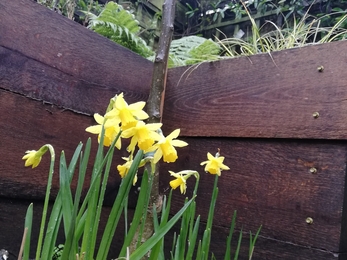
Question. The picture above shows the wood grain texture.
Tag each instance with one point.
(12, 227)
(262, 95)
(27, 125)
(270, 184)
(266, 248)
(48, 57)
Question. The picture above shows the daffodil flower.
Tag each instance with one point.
(181, 179)
(165, 147)
(214, 164)
(111, 130)
(33, 157)
(142, 134)
(123, 169)
(127, 114)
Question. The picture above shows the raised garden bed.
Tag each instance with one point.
(280, 121)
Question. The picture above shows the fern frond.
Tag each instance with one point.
(192, 49)
(119, 26)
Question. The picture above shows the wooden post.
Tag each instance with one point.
(155, 103)
(156, 98)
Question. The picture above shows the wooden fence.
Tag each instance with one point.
(280, 120)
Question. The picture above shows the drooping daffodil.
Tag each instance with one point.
(33, 157)
(214, 164)
(165, 147)
(123, 169)
(181, 179)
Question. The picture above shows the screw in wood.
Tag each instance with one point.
(309, 220)
(320, 68)
(313, 170)
(315, 115)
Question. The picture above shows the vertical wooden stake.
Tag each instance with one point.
(156, 98)
(155, 101)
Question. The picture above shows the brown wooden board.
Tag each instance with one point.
(13, 211)
(46, 56)
(27, 125)
(265, 248)
(263, 96)
(270, 184)
(12, 227)
(272, 96)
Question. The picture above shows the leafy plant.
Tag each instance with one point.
(192, 49)
(300, 32)
(120, 26)
(192, 11)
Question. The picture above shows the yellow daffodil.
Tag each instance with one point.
(111, 130)
(165, 147)
(181, 179)
(127, 114)
(142, 134)
(33, 157)
(214, 165)
(123, 169)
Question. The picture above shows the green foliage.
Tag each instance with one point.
(119, 26)
(192, 49)
(300, 32)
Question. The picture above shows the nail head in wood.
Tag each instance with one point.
(315, 115)
(309, 220)
(313, 170)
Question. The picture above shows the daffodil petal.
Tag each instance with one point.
(210, 157)
(99, 118)
(95, 129)
(120, 102)
(178, 143)
(129, 132)
(173, 135)
(157, 156)
(137, 106)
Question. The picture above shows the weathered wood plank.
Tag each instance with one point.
(36, 80)
(14, 211)
(62, 62)
(27, 125)
(270, 184)
(12, 227)
(262, 96)
(265, 248)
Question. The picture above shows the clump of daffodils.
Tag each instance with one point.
(126, 121)
(123, 120)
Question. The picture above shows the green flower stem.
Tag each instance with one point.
(45, 207)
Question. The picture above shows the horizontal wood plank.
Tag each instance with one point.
(270, 96)
(27, 125)
(14, 212)
(46, 56)
(270, 184)
(12, 225)
(265, 247)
